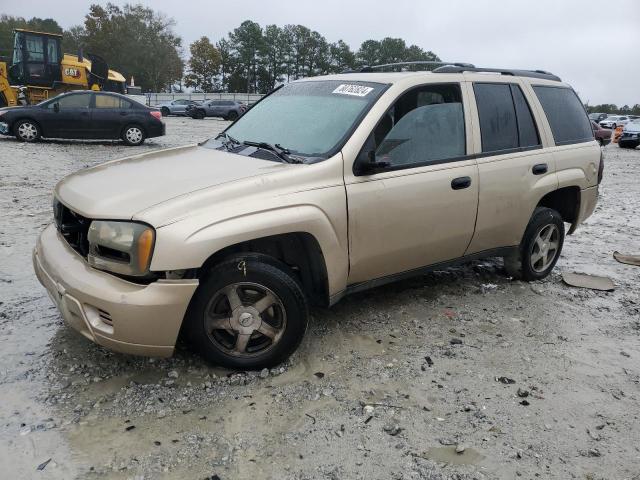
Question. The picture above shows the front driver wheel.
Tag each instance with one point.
(540, 247)
(133, 135)
(248, 313)
(27, 131)
(165, 111)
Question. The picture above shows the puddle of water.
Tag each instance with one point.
(449, 455)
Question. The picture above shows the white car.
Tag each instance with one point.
(614, 121)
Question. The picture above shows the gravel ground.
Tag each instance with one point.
(525, 380)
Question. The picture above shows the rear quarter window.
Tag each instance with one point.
(566, 114)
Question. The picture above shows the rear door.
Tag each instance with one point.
(110, 114)
(421, 208)
(71, 118)
(515, 170)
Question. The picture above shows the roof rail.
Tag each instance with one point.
(371, 68)
(518, 73)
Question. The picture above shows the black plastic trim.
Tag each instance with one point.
(494, 252)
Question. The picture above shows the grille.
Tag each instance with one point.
(72, 226)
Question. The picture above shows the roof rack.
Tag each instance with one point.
(459, 67)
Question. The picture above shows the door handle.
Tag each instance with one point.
(123, 113)
(540, 168)
(460, 183)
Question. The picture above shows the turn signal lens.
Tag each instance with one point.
(145, 245)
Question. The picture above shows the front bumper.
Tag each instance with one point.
(112, 312)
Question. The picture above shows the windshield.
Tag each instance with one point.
(309, 118)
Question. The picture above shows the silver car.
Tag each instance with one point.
(174, 107)
(613, 121)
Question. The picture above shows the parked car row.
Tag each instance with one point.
(612, 121)
(226, 109)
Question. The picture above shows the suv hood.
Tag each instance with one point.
(121, 188)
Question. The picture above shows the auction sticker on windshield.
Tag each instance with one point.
(357, 90)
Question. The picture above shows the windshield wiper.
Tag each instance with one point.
(229, 138)
(278, 149)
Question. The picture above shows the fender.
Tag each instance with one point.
(198, 244)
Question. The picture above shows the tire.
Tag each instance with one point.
(233, 115)
(198, 114)
(600, 142)
(3, 101)
(133, 135)
(544, 232)
(165, 111)
(234, 338)
(27, 130)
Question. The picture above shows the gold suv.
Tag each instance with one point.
(327, 186)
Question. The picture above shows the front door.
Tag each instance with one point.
(71, 117)
(418, 209)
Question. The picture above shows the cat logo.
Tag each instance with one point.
(72, 72)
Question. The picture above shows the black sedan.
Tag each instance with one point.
(83, 114)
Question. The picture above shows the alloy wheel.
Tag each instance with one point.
(245, 319)
(545, 248)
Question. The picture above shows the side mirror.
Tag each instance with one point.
(366, 163)
(56, 107)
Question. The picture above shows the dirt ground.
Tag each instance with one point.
(386, 385)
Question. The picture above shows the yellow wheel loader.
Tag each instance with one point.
(39, 70)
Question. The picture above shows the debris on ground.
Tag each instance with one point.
(43, 465)
(593, 282)
(505, 380)
(627, 259)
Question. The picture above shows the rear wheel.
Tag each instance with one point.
(133, 135)
(165, 111)
(540, 247)
(27, 131)
(233, 115)
(248, 313)
(198, 114)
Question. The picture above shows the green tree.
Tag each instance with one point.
(203, 65)
(136, 41)
(341, 57)
(247, 42)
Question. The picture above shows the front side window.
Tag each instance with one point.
(111, 101)
(565, 113)
(71, 101)
(425, 125)
(506, 122)
(310, 118)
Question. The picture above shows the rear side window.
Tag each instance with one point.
(565, 113)
(506, 122)
(111, 101)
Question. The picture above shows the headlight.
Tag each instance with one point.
(121, 247)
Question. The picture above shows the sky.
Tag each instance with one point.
(593, 45)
